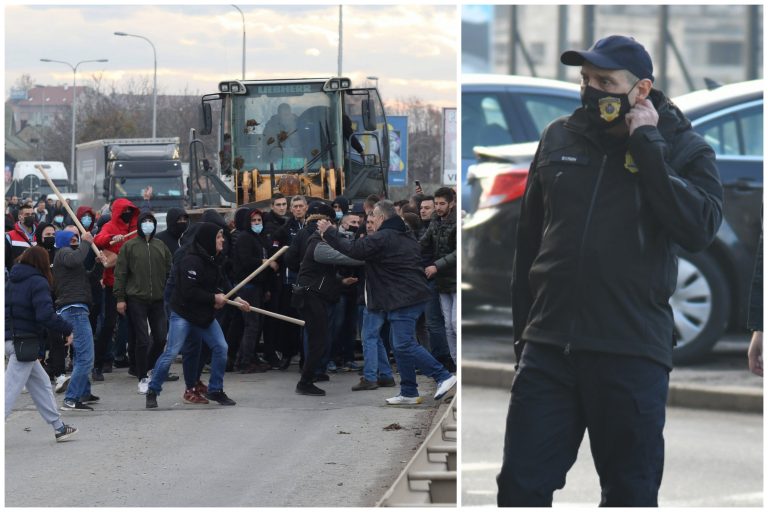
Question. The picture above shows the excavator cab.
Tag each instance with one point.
(315, 137)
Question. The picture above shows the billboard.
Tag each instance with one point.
(450, 165)
(398, 151)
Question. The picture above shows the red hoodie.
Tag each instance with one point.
(115, 226)
(86, 210)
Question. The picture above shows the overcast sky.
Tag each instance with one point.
(411, 48)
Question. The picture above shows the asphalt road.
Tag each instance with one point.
(274, 448)
(713, 459)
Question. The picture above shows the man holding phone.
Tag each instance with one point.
(613, 191)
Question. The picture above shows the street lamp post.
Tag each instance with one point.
(154, 88)
(243, 16)
(73, 174)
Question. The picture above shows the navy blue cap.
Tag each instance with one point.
(614, 52)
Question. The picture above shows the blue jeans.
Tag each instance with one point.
(375, 355)
(408, 353)
(79, 386)
(438, 341)
(179, 330)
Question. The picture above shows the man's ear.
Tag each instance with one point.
(644, 87)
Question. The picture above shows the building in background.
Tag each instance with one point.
(719, 42)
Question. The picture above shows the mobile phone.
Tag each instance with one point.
(417, 182)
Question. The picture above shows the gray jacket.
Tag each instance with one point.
(70, 279)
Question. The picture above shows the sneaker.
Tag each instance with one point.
(364, 385)
(322, 377)
(219, 396)
(386, 383)
(331, 367)
(64, 433)
(97, 375)
(405, 400)
(172, 377)
(445, 387)
(201, 388)
(191, 396)
(151, 402)
(106, 367)
(309, 390)
(351, 366)
(90, 399)
(62, 381)
(71, 405)
(143, 386)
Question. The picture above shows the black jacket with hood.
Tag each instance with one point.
(249, 250)
(600, 224)
(198, 277)
(173, 230)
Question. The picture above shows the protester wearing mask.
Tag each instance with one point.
(59, 219)
(45, 236)
(140, 275)
(249, 253)
(95, 269)
(340, 207)
(21, 236)
(123, 220)
(613, 191)
(176, 222)
(73, 300)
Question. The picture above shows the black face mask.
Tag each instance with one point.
(126, 217)
(75, 247)
(48, 242)
(605, 109)
(29, 221)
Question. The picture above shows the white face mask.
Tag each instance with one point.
(147, 228)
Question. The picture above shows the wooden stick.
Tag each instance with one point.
(257, 271)
(66, 206)
(112, 242)
(269, 313)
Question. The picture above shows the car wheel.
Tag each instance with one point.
(701, 306)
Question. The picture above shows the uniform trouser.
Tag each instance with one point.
(290, 334)
(252, 324)
(619, 400)
(315, 314)
(104, 339)
(33, 376)
(147, 349)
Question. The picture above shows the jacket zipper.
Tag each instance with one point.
(149, 257)
(584, 236)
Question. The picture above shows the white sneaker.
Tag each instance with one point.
(62, 381)
(445, 387)
(405, 400)
(143, 386)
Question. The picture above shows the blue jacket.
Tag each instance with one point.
(27, 291)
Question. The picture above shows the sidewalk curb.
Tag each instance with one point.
(731, 398)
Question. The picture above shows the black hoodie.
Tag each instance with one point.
(173, 230)
(249, 250)
(198, 278)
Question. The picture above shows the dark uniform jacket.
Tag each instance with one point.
(439, 243)
(600, 224)
(394, 275)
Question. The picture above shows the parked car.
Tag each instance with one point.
(713, 285)
(504, 109)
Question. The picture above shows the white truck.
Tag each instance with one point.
(28, 182)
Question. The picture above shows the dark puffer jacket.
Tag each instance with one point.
(440, 241)
(394, 275)
(599, 228)
(28, 296)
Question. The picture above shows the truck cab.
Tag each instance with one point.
(317, 137)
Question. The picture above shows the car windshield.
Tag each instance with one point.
(162, 188)
(286, 125)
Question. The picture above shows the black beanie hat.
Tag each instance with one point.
(206, 237)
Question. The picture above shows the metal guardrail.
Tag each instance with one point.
(429, 478)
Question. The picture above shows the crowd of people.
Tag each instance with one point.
(376, 277)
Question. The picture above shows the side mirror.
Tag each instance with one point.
(369, 115)
(207, 121)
